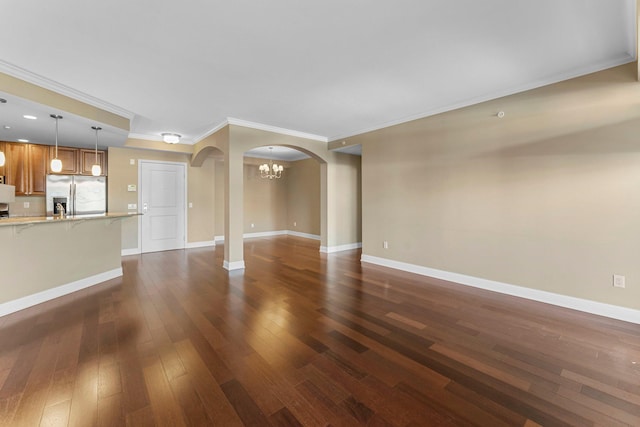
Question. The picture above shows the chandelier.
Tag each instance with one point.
(271, 170)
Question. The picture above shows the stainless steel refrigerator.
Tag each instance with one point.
(77, 194)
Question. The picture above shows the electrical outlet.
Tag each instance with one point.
(26, 205)
(252, 225)
(618, 281)
(295, 224)
(385, 244)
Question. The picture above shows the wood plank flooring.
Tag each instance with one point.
(308, 339)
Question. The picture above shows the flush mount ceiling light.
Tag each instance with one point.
(56, 163)
(96, 170)
(171, 138)
(270, 170)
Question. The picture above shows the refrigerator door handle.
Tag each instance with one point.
(72, 201)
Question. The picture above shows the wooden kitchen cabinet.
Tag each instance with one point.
(26, 168)
(16, 167)
(2, 144)
(38, 157)
(88, 159)
(70, 158)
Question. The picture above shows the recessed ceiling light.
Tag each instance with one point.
(29, 117)
(23, 140)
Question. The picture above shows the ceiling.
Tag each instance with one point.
(323, 70)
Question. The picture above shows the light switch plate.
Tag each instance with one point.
(132, 206)
(132, 187)
(618, 281)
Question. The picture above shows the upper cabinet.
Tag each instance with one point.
(2, 149)
(15, 167)
(88, 159)
(70, 158)
(78, 161)
(37, 158)
(25, 167)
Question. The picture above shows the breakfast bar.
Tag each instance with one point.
(48, 257)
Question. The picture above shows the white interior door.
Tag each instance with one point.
(162, 201)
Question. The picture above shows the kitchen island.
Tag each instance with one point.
(47, 257)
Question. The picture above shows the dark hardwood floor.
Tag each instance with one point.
(303, 338)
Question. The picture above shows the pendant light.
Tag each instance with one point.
(56, 163)
(96, 170)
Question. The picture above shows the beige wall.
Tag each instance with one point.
(273, 205)
(303, 197)
(44, 256)
(344, 208)
(546, 198)
(201, 194)
(265, 201)
(200, 191)
(219, 199)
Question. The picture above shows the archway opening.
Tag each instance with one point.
(289, 205)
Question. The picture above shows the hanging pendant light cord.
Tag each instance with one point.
(97, 129)
(56, 137)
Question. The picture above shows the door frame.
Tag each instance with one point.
(186, 196)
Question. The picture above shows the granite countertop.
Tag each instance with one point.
(27, 220)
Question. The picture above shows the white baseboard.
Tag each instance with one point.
(220, 239)
(303, 235)
(234, 265)
(340, 248)
(588, 306)
(202, 244)
(189, 245)
(133, 251)
(264, 234)
(44, 296)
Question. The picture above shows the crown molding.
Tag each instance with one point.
(211, 131)
(624, 59)
(43, 82)
(253, 125)
(275, 129)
